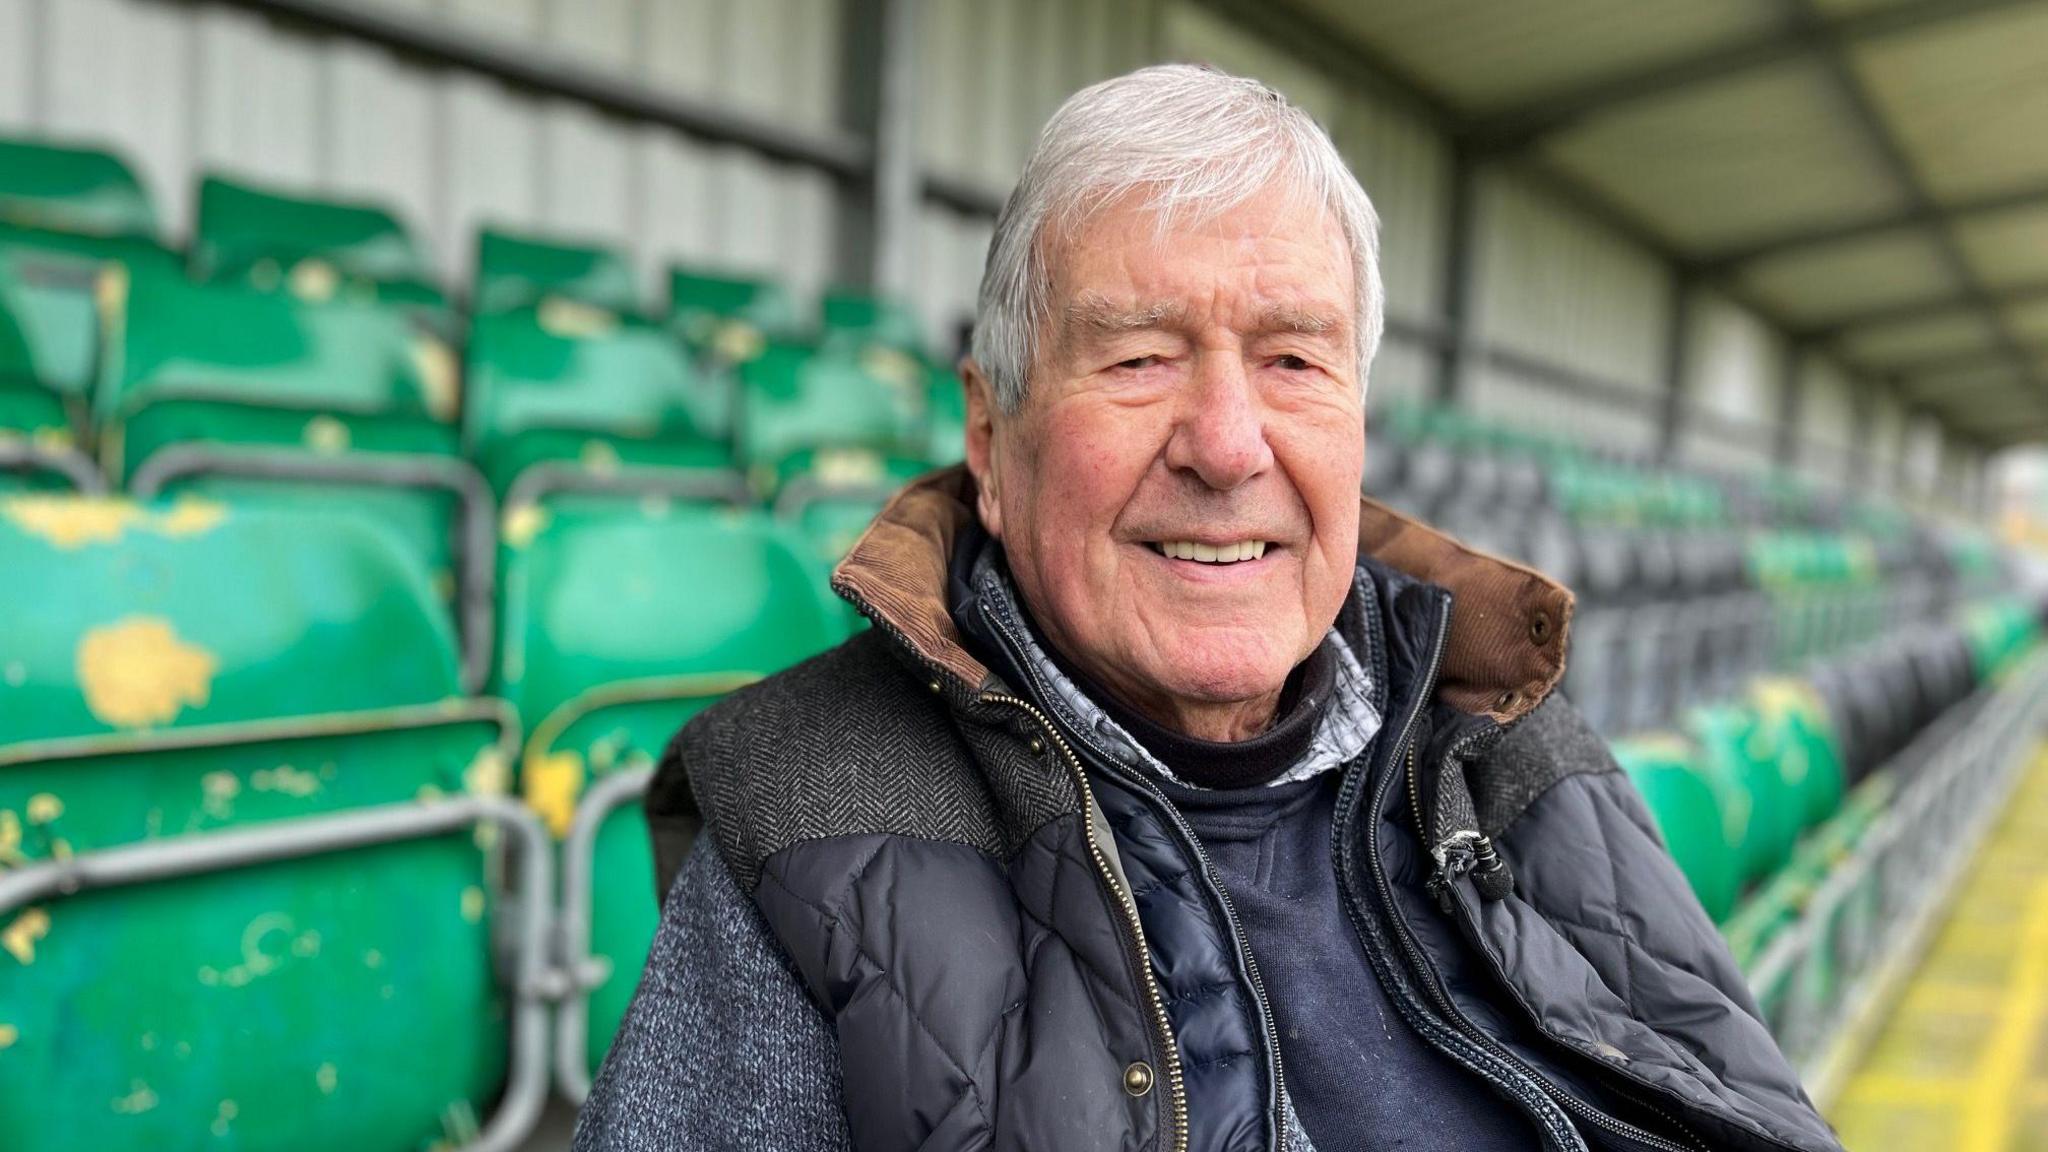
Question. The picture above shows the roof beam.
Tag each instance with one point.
(1921, 308)
(1967, 358)
(1915, 215)
(1518, 128)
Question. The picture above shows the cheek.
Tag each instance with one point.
(1089, 469)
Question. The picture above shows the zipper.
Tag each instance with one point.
(1261, 1004)
(1562, 1098)
(1169, 1048)
(1557, 1097)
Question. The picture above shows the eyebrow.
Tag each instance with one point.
(1298, 320)
(1096, 315)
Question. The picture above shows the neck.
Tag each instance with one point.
(1220, 722)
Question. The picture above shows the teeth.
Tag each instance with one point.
(1213, 553)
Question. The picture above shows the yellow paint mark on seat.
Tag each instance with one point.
(326, 1077)
(71, 522)
(473, 904)
(326, 435)
(191, 516)
(552, 784)
(44, 808)
(20, 937)
(140, 1098)
(488, 774)
(8, 1035)
(440, 377)
(136, 673)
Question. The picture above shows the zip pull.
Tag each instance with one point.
(1467, 852)
(1490, 873)
(1454, 855)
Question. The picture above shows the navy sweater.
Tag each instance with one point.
(1359, 1076)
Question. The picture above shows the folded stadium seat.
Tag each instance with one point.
(945, 415)
(522, 271)
(566, 395)
(316, 249)
(1734, 644)
(68, 218)
(1597, 666)
(1734, 744)
(862, 319)
(620, 622)
(730, 319)
(1792, 722)
(65, 189)
(831, 432)
(280, 817)
(1700, 812)
(228, 391)
(38, 434)
(1655, 630)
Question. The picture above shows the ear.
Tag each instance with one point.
(982, 461)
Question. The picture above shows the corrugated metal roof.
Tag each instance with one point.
(1871, 174)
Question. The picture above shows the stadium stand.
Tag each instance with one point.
(291, 619)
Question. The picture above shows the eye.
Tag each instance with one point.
(1137, 362)
(1292, 363)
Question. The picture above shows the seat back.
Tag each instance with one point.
(83, 190)
(245, 365)
(794, 398)
(862, 318)
(277, 1002)
(730, 316)
(619, 621)
(1702, 817)
(519, 271)
(315, 246)
(566, 367)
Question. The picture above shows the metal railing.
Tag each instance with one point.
(1833, 970)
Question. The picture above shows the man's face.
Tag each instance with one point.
(1178, 494)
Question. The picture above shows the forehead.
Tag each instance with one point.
(1279, 245)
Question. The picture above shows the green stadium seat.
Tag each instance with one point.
(1793, 722)
(240, 394)
(1702, 815)
(67, 189)
(729, 317)
(831, 433)
(273, 1002)
(1734, 744)
(317, 249)
(520, 271)
(620, 622)
(565, 387)
(859, 318)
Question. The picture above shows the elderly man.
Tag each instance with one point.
(1176, 800)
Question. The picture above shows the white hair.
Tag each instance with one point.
(1191, 139)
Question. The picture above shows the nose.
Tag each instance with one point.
(1220, 433)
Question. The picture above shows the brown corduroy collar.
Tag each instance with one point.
(1505, 652)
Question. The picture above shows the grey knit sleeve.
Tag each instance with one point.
(722, 1049)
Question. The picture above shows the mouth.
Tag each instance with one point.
(1223, 554)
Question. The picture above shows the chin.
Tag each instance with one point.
(1219, 673)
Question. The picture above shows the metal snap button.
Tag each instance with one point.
(1539, 628)
(935, 687)
(1138, 1078)
(1037, 745)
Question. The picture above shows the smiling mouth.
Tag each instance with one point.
(1235, 552)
